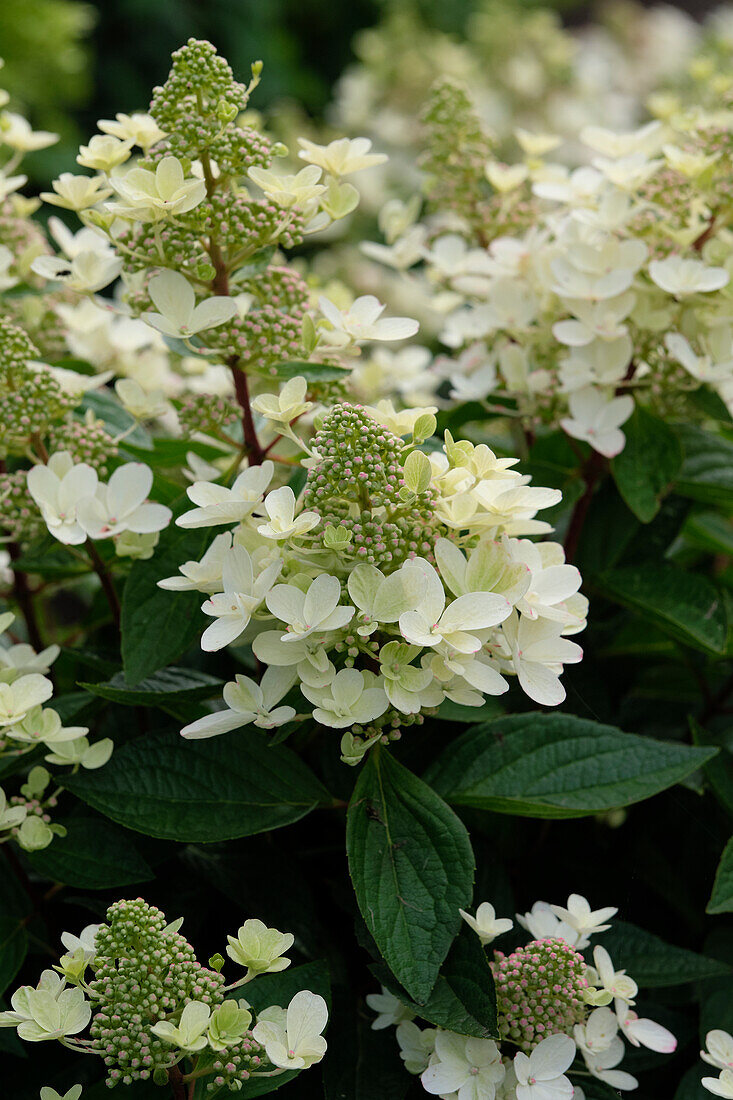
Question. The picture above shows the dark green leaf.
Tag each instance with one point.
(557, 765)
(464, 998)
(710, 531)
(13, 949)
(686, 605)
(690, 1087)
(158, 626)
(448, 711)
(648, 463)
(721, 899)
(93, 855)
(201, 791)
(652, 962)
(169, 685)
(172, 452)
(707, 469)
(411, 863)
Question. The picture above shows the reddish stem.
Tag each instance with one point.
(591, 473)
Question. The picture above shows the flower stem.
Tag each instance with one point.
(106, 581)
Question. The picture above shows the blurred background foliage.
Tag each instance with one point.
(70, 62)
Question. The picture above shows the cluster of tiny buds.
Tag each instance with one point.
(144, 972)
(457, 152)
(539, 990)
(16, 348)
(264, 335)
(85, 440)
(206, 413)
(242, 224)
(360, 463)
(197, 108)
(19, 514)
(34, 808)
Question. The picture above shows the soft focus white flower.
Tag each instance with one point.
(248, 701)
(86, 941)
(243, 593)
(20, 696)
(190, 1033)
(155, 195)
(351, 697)
(104, 152)
(260, 949)
(16, 132)
(541, 1075)
(582, 918)
(178, 315)
(285, 406)
(469, 1068)
(485, 924)
(49, 1011)
(681, 277)
(719, 1049)
(431, 622)
(10, 817)
(615, 982)
(342, 156)
(58, 489)
(541, 923)
(282, 522)
(79, 751)
(293, 1039)
(597, 420)
(416, 1046)
(120, 505)
(76, 192)
(217, 504)
(140, 403)
(602, 1065)
(720, 1086)
(364, 321)
(86, 273)
(389, 1009)
(139, 128)
(289, 191)
(204, 575)
(305, 613)
(645, 1033)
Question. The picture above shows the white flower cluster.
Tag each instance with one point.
(26, 723)
(613, 286)
(76, 505)
(472, 601)
(457, 1067)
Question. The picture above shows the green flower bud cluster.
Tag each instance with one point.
(30, 399)
(20, 518)
(36, 314)
(196, 107)
(86, 441)
(206, 413)
(356, 485)
(20, 235)
(145, 971)
(263, 336)
(283, 289)
(539, 991)
(456, 153)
